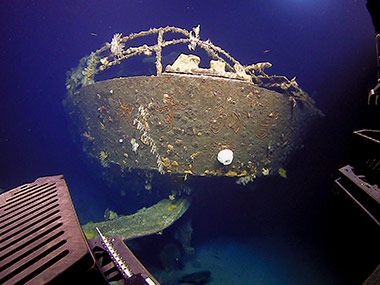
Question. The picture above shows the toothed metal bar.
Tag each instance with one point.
(117, 259)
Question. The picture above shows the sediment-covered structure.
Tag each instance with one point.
(178, 120)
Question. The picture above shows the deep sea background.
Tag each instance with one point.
(282, 231)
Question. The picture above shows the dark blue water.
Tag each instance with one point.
(270, 232)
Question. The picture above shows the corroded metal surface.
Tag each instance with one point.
(182, 122)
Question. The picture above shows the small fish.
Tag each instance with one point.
(267, 50)
(93, 34)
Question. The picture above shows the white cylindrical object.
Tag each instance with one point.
(225, 156)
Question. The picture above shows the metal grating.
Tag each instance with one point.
(40, 236)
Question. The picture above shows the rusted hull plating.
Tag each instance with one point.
(177, 124)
